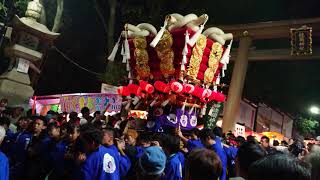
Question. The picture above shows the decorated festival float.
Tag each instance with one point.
(174, 74)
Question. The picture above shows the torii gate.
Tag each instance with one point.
(245, 34)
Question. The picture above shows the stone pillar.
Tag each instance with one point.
(237, 83)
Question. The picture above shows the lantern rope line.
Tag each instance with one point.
(74, 63)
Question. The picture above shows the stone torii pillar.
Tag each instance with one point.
(237, 83)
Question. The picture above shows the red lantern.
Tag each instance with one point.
(145, 86)
(220, 97)
(134, 89)
(162, 87)
(188, 88)
(199, 92)
(176, 87)
(216, 96)
(213, 96)
(123, 91)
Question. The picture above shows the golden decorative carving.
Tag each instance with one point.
(213, 63)
(196, 58)
(166, 54)
(142, 57)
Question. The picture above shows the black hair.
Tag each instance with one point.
(85, 110)
(279, 166)
(91, 134)
(52, 125)
(8, 112)
(248, 153)
(4, 121)
(252, 139)
(205, 133)
(24, 118)
(109, 131)
(276, 143)
(117, 133)
(266, 137)
(296, 148)
(284, 143)
(218, 131)
(230, 135)
(123, 125)
(42, 118)
(143, 137)
(51, 112)
(73, 115)
(203, 164)
(195, 131)
(240, 140)
(171, 143)
(95, 113)
(71, 127)
(98, 124)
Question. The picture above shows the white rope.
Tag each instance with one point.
(74, 63)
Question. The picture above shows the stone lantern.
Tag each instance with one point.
(29, 42)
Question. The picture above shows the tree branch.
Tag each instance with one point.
(111, 22)
(57, 19)
(108, 28)
(97, 7)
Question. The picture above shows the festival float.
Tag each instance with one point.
(174, 73)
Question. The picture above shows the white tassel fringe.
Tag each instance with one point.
(156, 40)
(114, 50)
(196, 36)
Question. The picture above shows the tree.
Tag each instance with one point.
(20, 7)
(307, 127)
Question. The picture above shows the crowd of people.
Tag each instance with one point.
(97, 148)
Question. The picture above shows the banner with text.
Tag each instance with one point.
(99, 102)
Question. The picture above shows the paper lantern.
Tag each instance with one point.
(134, 89)
(188, 88)
(199, 92)
(162, 87)
(207, 93)
(213, 96)
(220, 97)
(176, 87)
(145, 86)
(216, 96)
(123, 91)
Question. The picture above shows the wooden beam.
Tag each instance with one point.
(272, 29)
(277, 54)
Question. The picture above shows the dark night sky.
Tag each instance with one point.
(290, 86)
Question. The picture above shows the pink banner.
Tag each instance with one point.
(98, 102)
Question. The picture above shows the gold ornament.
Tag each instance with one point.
(213, 63)
(142, 57)
(166, 54)
(196, 58)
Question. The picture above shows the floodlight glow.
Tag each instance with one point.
(314, 110)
